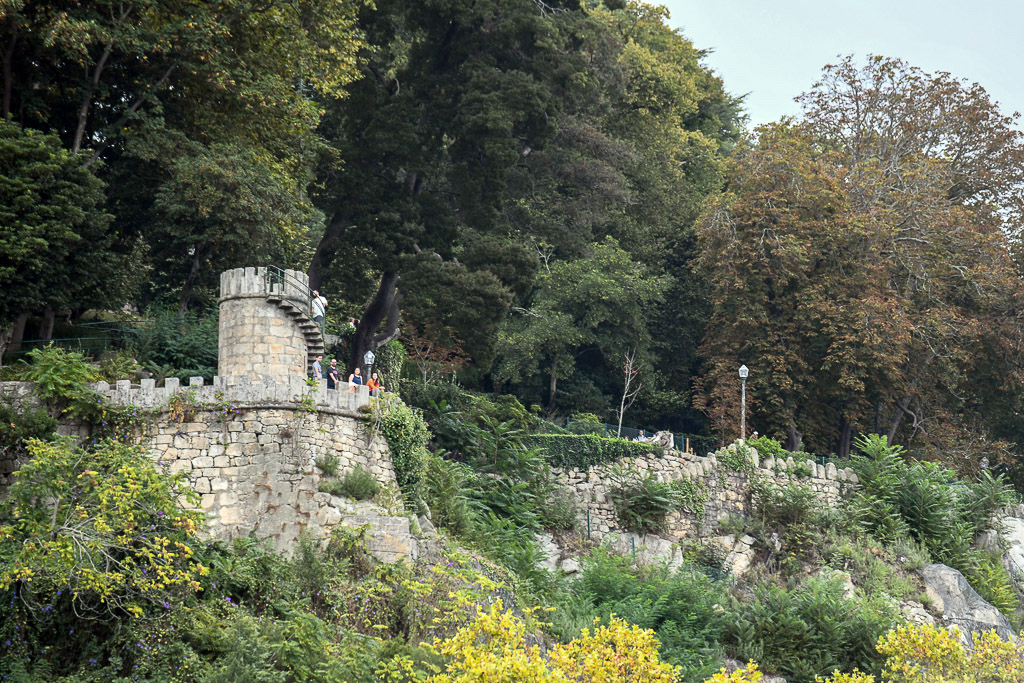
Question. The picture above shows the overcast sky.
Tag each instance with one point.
(773, 51)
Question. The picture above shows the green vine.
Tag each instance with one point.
(691, 497)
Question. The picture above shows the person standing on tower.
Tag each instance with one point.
(319, 304)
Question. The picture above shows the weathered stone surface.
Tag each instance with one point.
(388, 538)
(915, 613)
(549, 551)
(960, 604)
(570, 565)
(1013, 536)
(648, 550)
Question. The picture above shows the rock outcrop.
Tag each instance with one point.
(960, 605)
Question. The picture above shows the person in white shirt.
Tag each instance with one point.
(319, 308)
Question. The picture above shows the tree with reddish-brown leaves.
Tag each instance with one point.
(862, 265)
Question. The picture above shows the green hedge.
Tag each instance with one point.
(583, 451)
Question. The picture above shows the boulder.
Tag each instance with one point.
(387, 538)
(915, 613)
(549, 551)
(740, 556)
(647, 550)
(570, 565)
(960, 604)
(1013, 538)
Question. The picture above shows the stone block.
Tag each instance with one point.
(217, 484)
(231, 516)
(181, 466)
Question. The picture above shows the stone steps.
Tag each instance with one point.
(310, 330)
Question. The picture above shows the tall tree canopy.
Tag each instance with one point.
(862, 261)
(204, 113)
(487, 138)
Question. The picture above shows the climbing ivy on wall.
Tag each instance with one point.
(407, 435)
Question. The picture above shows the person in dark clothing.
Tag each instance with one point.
(333, 378)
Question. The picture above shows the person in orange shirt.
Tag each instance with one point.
(373, 384)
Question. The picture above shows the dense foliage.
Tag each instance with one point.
(582, 451)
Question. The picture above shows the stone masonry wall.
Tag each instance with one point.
(250, 449)
(728, 491)
(254, 467)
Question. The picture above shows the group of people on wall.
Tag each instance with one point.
(355, 379)
(318, 305)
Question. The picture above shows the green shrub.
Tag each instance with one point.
(989, 577)
(585, 423)
(559, 510)
(388, 364)
(768, 447)
(172, 345)
(793, 514)
(878, 570)
(328, 464)
(683, 608)
(801, 470)
(359, 484)
(60, 377)
(109, 508)
(20, 424)
(121, 365)
(583, 451)
(641, 503)
(808, 631)
(407, 435)
(736, 457)
(923, 500)
(448, 490)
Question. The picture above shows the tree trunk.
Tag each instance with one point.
(83, 109)
(5, 338)
(794, 439)
(845, 437)
(553, 386)
(897, 418)
(9, 72)
(186, 290)
(18, 332)
(46, 327)
(324, 253)
(375, 313)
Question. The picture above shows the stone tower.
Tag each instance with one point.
(266, 329)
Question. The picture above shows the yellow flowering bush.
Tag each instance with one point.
(102, 527)
(748, 674)
(492, 649)
(928, 654)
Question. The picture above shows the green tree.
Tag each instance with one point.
(207, 106)
(55, 237)
(596, 305)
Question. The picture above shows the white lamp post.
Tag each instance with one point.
(368, 359)
(743, 401)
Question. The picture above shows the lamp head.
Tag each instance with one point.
(744, 372)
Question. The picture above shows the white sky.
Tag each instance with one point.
(773, 51)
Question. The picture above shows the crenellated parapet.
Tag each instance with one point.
(245, 390)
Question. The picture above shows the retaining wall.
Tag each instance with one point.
(728, 491)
